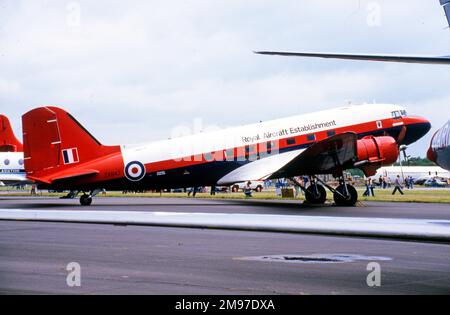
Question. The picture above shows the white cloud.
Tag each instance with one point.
(132, 71)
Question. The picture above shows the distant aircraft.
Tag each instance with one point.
(12, 171)
(439, 151)
(61, 154)
(416, 172)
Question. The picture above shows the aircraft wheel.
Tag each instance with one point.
(85, 200)
(316, 196)
(348, 201)
(259, 189)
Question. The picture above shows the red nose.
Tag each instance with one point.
(431, 155)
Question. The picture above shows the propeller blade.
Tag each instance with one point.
(401, 135)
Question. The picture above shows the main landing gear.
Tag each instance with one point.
(343, 195)
(315, 193)
(86, 199)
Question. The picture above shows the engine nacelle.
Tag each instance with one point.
(374, 152)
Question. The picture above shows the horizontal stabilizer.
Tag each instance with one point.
(364, 57)
(62, 176)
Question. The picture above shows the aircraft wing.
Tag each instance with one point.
(323, 157)
(364, 57)
(446, 5)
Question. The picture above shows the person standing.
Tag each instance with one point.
(411, 182)
(366, 193)
(369, 188)
(398, 185)
(248, 189)
(33, 190)
(372, 187)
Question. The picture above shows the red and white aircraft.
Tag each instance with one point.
(61, 154)
(12, 170)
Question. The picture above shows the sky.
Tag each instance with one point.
(135, 71)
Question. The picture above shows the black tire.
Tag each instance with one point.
(85, 200)
(259, 189)
(316, 197)
(350, 200)
(235, 188)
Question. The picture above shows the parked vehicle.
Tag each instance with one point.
(255, 185)
(434, 182)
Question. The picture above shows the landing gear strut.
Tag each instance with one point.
(86, 199)
(315, 193)
(344, 195)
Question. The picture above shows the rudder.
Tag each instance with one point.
(54, 141)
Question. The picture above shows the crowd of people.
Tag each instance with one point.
(386, 183)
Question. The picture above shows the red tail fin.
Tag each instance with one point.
(8, 141)
(54, 141)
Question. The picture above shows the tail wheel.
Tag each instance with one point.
(85, 200)
(235, 189)
(344, 199)
(258, 189)
(316, 194)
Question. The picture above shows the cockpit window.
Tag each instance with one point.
(396, 114)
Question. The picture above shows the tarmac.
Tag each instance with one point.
(162, 260)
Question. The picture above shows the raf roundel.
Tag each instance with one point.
(135, 171)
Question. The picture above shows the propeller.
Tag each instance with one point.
(401, 135)
(401, 147)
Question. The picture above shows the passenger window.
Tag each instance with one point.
(331, 133)
(311, 137)
(208, 157)
(269, 147)
(229, 154)
(290, 141)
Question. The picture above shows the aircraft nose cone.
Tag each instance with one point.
(417, 127)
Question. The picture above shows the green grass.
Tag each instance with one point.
(424, 196)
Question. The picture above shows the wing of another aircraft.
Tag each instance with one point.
(364, 57)
(324, 157)
(446, 5)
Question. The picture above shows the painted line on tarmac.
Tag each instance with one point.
(410, 229)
